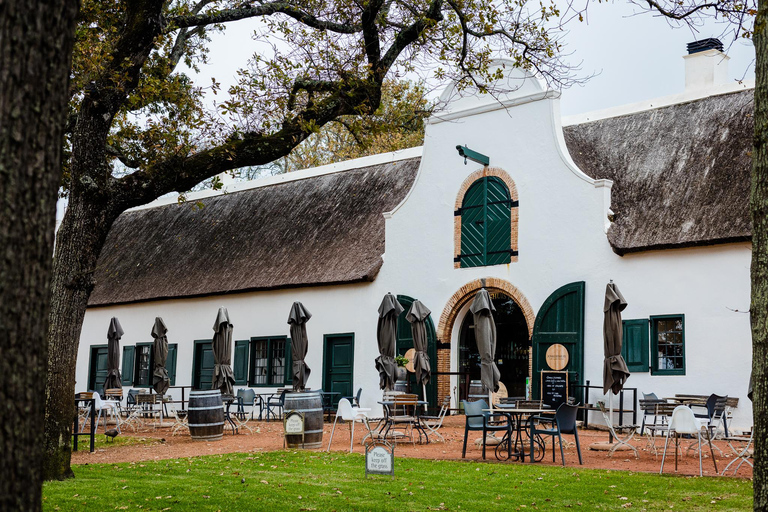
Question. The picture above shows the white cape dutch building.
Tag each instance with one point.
(653, 197)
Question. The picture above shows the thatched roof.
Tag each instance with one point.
(681, 173)
(326, 229)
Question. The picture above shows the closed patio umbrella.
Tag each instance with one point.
(297, 319)
(223, 377)
(386, 334)
(485, 335)
(615, 372)
(160, 380)
(114, 333)
(417, 316)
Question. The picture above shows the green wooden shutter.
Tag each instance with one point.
(486, 232)
(473, 226)
(241, 362)
(129, 356)
(635, 344)
(170, 363)
(288, 362)
(498, 232)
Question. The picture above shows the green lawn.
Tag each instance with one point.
(288, 480)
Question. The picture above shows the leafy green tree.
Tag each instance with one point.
(36, 39)
(138, 127)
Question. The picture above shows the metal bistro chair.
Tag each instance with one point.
(246, 398)
(433, 423)
(564, 422)
(355, 400)
(477, 419)
(346, 412)
(627, 431)
(684, 422)
(403, 415)
(275, 404)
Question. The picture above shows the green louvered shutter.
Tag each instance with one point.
(129, 356)
(486, 232)
(240, 366)
(498, 233)
(288, 363)
(170, 362)
(473, 226)
(635, 344)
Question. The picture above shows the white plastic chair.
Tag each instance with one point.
(683, 421)
(346, 412)
(106, 406)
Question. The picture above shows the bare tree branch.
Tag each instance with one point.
(210, 18)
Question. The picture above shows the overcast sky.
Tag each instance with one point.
(634, 56)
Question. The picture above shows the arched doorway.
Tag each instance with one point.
(512, 346)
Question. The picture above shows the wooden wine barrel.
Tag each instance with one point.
(206, 415)
(311, 404)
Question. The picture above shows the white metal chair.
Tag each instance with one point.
(433, 423)
(627, 432)
(346, 412)
(683, 422)
(179, 420)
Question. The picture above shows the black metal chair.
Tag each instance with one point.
(480, 420)
(716, 406)
(275, 403)
(355, 400)
(564, 422)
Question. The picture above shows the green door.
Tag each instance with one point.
(405, 342)
(202, 377)
(338, 365)
(560, 320)
(486, 224)
(98, 369)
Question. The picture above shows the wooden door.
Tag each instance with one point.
(338, 365)
(98, 369)
(203, 365)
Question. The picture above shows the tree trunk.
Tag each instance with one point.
(759, 302)
(35, 51)
(78, 245)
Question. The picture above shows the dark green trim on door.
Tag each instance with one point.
(94, 373)
(195, 377)
(634, 346)
(339, 364)
(560, 320)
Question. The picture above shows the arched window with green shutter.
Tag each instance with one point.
(486, 224)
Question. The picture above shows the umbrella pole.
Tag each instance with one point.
(610, 415)
(424, 389)
(490, 399)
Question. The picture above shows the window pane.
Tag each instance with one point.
(260, 362)
(142, 365)
(669, 343)
(278, 361)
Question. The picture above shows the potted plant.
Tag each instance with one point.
(401, 373)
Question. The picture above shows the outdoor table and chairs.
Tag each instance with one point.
(519, 427)
(478, 417)
(683, 422)
(228, 401)
(564, 422)
(402, 413)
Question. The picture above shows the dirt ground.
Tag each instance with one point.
(267, 436)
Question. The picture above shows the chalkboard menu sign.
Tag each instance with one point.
(554, 388)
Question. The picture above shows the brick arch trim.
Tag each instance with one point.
(472, 178)
(467, 292)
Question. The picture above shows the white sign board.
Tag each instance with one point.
(379, 460)
(294, 423)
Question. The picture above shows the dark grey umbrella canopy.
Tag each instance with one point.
(417, 316)
(114, 333)
(297, 319)
(615, 371)
(223, 377)
(386, 334)
(485, 335)
(160, 379)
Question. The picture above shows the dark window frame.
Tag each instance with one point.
(136, 369)
(655, 369)
(270, 361)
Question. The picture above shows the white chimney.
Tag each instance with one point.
(705, 65)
